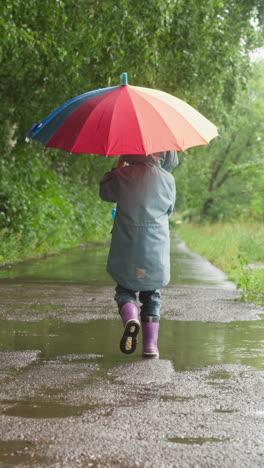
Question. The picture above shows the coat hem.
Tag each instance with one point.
(138, 286)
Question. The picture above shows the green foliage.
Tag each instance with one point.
(249, 282)
(225, 180)
(52, 51)
(43, 211)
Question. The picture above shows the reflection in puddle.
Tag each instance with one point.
(87, 264)
(226, 411)
(18, 452)
(41, 410)
(175, 398)
(219, 375)
(195, 440)
(36, 307)
(188, 345)
(219, 385)
(78, 266)
(190, 268)
(198, 344)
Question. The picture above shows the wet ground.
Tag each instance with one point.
(68, 397)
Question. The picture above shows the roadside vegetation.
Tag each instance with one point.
(48, 207)
(51, 52)
(235, 247)
(221, 194)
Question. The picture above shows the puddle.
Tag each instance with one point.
(19, 452)
(219, 385)
(36, 307)
(195, 440)
(42, 410)
(76, 266)
(87, 264)
(190, 268)
(226, 411)
(216, 378)
(198, 344)
(219, 375)
(175, 398)
(64, 341)
(188, 345)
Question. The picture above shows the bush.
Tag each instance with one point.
(44, 211)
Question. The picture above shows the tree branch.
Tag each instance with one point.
(218, 164)
(229, 172)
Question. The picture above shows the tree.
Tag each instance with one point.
(226, 179)
(52, 51)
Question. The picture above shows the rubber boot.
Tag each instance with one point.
(150, 339)
(129, 315)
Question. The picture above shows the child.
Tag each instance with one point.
(139, 256)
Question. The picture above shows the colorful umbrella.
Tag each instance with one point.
(124, 120)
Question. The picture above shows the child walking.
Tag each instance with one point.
(139, 256)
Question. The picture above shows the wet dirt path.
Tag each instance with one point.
(68, 397)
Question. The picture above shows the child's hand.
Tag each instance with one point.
(121, 162)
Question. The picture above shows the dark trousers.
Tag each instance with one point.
(150, 309)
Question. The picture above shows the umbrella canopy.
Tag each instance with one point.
(124, 120)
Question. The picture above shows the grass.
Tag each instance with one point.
(236, 248)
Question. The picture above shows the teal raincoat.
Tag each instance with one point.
(145, 193)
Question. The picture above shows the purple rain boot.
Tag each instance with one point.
(129, 315)
(150, 339)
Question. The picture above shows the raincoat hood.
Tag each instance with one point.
(168, 160)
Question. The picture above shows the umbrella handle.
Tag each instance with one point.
(31, 131)
(125, 79)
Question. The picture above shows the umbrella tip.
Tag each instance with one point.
(125, 79)
(31, 131)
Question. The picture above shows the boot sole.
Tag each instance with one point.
(129, 340)
(150, 356)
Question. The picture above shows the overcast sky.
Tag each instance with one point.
(257, 54)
